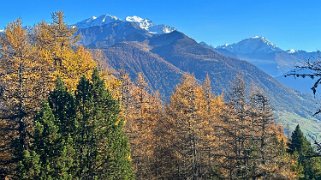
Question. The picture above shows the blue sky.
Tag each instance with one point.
(287, 23)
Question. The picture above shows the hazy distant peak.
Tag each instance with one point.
(252, 45)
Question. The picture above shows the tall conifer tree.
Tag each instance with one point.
(104, 150)
(306, 155)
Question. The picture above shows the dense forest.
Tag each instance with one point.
(65, 115)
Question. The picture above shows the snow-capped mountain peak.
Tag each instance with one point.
(264, 40)
(252, 45)
(142, 23)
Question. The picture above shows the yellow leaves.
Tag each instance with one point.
(32, 67)
(129, 158)
(54, 43)
(16, 35)
(83, 53)
(191, 122)
(30, 64)
(218, 101)
(141, 111)
(44, 38)
(112, 83)
(278, 130)
(74, 65)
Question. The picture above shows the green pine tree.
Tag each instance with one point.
(301, 147)
(103, 147)
(112, 143)
(85, 143)
(40, 161)
(62, 104)
(29, 167)
(63, 108)
(52, 152)
(66, 161)
(78, 136)
(46, 143)
(299, 143)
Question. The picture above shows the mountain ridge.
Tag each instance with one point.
(163, 58)
(143, 23)
(271, 59)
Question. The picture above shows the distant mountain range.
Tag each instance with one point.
(164, 55)
(271, 59)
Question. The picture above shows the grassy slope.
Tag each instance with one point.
(310, 126)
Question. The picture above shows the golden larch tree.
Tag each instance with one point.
(191, 133)
(23, 86)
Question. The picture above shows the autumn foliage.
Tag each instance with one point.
(65, 114)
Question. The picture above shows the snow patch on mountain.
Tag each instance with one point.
(292, 51)
(149, 26)
(226, 45)
(96, 21)
(143, 23)
(161, 29)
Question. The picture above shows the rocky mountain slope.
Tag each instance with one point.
(164, 57)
